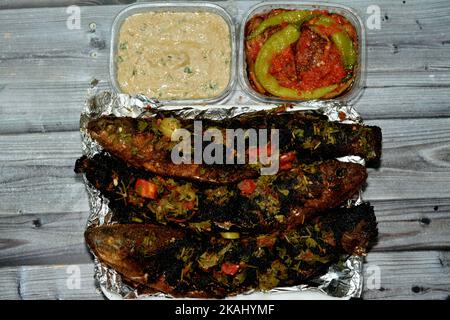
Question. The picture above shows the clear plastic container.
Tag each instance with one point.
(175, 7)
(350, 95)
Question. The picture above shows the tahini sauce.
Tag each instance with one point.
(174, 55)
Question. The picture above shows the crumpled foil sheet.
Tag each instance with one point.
(343, 280)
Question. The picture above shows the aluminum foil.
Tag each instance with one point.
(342, 281)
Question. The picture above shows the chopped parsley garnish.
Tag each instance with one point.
(123, 46)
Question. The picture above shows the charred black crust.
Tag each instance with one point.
(342, 220)
(376, 146)
(80, 164)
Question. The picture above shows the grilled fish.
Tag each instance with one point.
(146, 143)
(265, 203)
(177, 262)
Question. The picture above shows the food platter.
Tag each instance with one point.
(343, 278)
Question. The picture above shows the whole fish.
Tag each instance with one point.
(180, 263)
(284, 200)
(303, 136)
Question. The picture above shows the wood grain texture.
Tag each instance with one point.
(20, 4)
(46, 69)
(415, 161)
(419, 224)
(408, 275)
(34, 239)
(50, 282)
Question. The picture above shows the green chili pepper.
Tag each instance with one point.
(317, 93)
(275, 44)
(342, 41)
(296, 17)
(345, 47)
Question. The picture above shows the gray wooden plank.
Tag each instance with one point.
(415, 162)
(50, 282)
(38, 189)
(411, 275)
(33, 239)
(36, 174)
(46, 68)
(20, 4)
(403, 275)
(421, 224)
(51, 149)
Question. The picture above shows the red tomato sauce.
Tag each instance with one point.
(325, 64)
(283, 68)
(329, 70)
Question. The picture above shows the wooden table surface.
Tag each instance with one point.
(46, 68)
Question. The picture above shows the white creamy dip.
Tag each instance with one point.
(174, 55)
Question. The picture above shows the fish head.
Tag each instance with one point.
(101, 124)
(123, 246)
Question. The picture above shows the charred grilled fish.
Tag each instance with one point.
(176, 262)
(146, 143)
(261, 204)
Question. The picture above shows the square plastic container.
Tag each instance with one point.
(349, 95)
(175, 7)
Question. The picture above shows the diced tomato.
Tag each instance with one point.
(265, 241)
(230, 268)
(255, 152)
(285, 166)
(287, 157)
(307, 256)
(283, 68)
(318, 64)
(247, 187)
(189, 205)
(146, 189)
(186, 270)
(286, 160)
